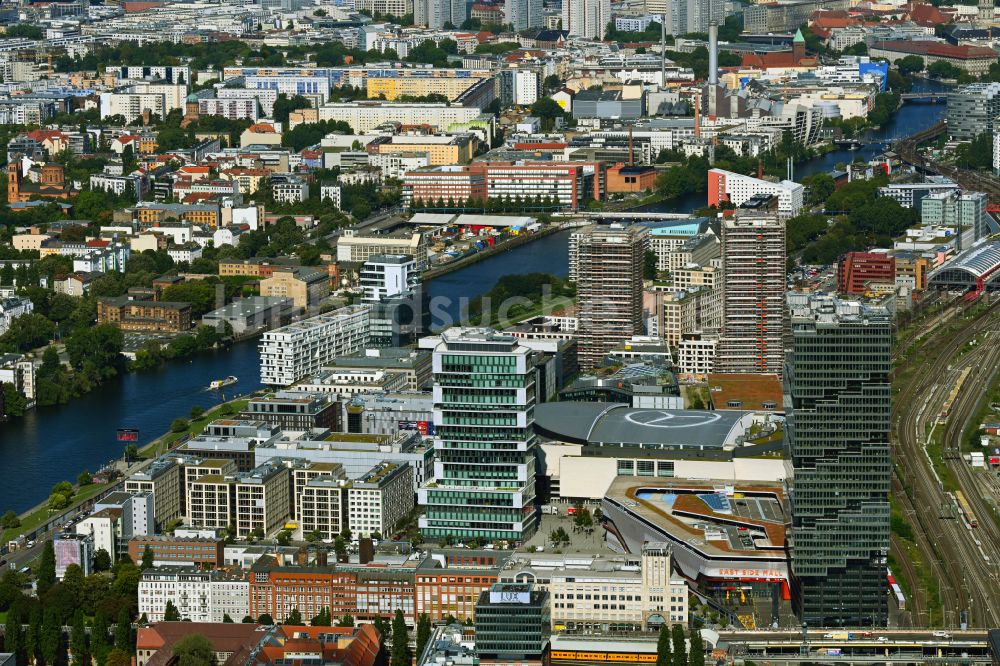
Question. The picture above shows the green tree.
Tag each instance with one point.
(194, 650)
(284, 105)
(14, 401)
(679, 647)
(123, 631)
(697, 650)
(99, 645)
(346, 621)
(821, 186)
(84, 479)
(226, 619)
(649, 265)
(423, 632)
(45, 576)
(663, 651)
(294, 618)
(179, 425)
(383, 628)
(323, 619)
(13, 635)
(170, 613)
(78, 640)
(400, 641)
(247, 620)
(117, 657)
(51, 638)
(102, 560)
(147, 558)
(911, 64)
(547, 110)
(9, 520)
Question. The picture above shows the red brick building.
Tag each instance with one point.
(857, 270)
(179, 550)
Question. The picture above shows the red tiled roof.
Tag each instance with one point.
(938, 49)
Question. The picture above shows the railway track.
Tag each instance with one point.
(948, 549)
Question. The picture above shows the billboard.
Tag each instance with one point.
(128, 434)
(425, 428)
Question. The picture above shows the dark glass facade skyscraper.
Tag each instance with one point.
(838, 401)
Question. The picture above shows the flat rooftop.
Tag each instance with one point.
(745, 519)
(617, 423)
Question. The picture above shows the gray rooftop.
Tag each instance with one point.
(616, 423)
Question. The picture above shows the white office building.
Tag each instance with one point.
(387, 275)
(381, 498)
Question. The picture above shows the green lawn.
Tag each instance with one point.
(36, 518)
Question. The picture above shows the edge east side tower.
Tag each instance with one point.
(838, 401)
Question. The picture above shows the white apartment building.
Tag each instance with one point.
(199, 596)
(12, 308)
(696, 354)
(233, 109)
(211, 501)
(526, 86)
(366, 116)
(263, 498)
(289, 189)
(738, 188)
(381, 498)
(291, 353)
(262, 96)
(395, 165)
(305, 85)
(131, 105)
(384, 276)
(103, 529)
(118, 184)
(331, 193)
(586, 18)
(320, 507)
(163, 479)
(587, 593)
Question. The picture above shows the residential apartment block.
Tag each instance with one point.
(199, 596)
(291, 353)
(609, 288)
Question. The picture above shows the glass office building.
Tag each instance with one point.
(512, 622)
(838, 401)
(483, 484)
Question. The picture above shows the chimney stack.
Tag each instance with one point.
(713, 53)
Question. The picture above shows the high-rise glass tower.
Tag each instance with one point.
(838, 399)
(484, 438)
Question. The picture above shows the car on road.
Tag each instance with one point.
(882, 639)
(941, 634)
(31, 544)
(827, 637)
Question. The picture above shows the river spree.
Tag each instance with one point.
(53, 444)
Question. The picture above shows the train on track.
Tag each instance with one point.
(963, 505)
(946, 410)
(619, 657)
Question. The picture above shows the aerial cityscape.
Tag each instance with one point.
(499, 332)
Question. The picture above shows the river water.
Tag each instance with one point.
(52, 444)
